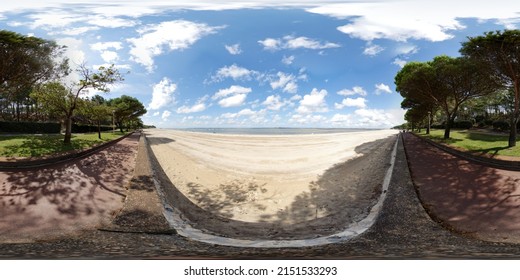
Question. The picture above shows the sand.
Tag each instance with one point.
(287, 183)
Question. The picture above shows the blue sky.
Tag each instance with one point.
(260, 63)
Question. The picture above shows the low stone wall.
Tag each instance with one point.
(491, 162)
(49, 160)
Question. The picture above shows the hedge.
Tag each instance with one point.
(46, 128)
(29, 127)
(81, 128)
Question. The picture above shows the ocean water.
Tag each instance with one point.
(273, 130)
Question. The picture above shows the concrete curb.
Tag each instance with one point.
(142, 211)
(46, 161)
(490, 162)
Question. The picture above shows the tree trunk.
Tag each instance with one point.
(512, 136)
(68, 130)
(514, 119)
(99, 129)
(447, 129)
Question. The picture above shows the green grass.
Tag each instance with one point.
(43, 145)
(479, 142)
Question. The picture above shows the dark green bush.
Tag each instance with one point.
(83, 128)
(463, 124)
(501, 125)
(29, 127)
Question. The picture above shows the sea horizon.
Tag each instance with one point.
(272, 130)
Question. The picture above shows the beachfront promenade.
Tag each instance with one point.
(402, 228)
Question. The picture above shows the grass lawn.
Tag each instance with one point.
(475, 141)
(41, 145)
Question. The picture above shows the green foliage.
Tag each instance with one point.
(499, 54)
(444, 83)
(127, 111)
(35, 146)
(501, 125)
(463, 124)
(476, 142)
(85, 128)
(26, 61)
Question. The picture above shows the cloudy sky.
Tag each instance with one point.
(260, 63)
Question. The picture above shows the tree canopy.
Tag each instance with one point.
(499, 53)
(127, 110)
(444, 82)
(26, 60)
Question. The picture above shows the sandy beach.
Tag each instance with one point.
(282, 180)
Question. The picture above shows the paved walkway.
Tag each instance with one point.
(470, 198)
(402, 230)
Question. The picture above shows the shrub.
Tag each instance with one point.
(83, 128)
(463, 124)
(29, 127)
(501, 125)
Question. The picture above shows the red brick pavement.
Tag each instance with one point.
(64, 199)
(469, 197)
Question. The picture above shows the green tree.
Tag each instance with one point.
(26, 61)
(499, 52)
(127, 111)
(64, 100)
(96, 111)
(445, 82)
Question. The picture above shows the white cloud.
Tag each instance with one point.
(74, 49)
(232, 90)
(232, 97)
(156, 114)
(288, 60)
(101, 46)
(77, 30)
(193, 109)
(359, 102)
(286, 82)
(274, 102)
(109, 56)
(162, 94)
(402, 20)
(234, 49)
(406, 49)
(307, 119)
(372, 49)
(246, 112)
(166, 36)
(233, 101)
(165, 115)
(270, 44)
(109, 21)
(355, 90)
(235, 72)
(313, 102)
(198, 107)
(399, 62)
(291, 42)
(382, 88)
(369, 118)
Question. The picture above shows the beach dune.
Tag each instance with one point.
(277, 179)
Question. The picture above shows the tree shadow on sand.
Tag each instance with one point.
(354, 185)
(228, 198)
(344, 193)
